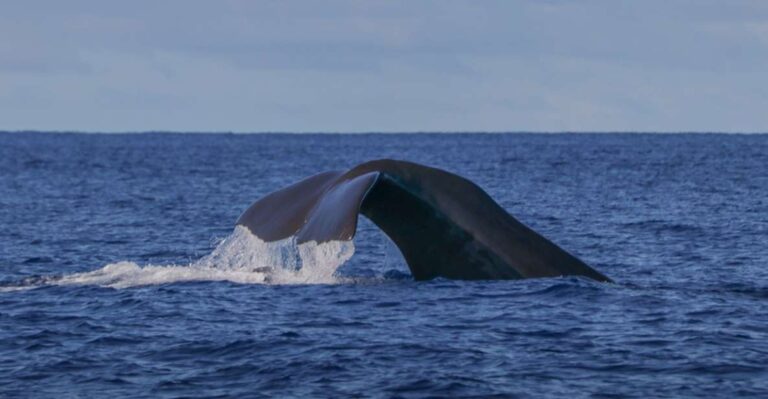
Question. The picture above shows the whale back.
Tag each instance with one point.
(443, 224)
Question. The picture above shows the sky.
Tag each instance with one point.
(384, 66)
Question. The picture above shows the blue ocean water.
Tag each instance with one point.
(107, 286)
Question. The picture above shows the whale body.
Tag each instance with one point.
(443, 224)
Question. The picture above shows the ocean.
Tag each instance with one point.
(121, 272)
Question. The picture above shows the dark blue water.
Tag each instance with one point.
(679, 221)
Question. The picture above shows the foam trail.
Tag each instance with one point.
(240, 258)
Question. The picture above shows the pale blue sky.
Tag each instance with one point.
(351, 66)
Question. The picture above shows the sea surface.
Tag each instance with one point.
(121, 273)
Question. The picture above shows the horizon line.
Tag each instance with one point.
(372, 132)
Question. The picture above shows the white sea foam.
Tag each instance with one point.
(241, 258)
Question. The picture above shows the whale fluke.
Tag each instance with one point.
(443, 224)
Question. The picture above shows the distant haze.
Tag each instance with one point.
(350, 66)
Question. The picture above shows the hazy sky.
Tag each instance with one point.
(384, 66)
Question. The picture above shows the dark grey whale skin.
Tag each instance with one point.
(444, 225)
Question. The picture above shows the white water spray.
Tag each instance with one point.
(241, 258)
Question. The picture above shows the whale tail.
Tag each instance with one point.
(443, 224)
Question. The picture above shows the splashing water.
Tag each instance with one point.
(240, 258)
